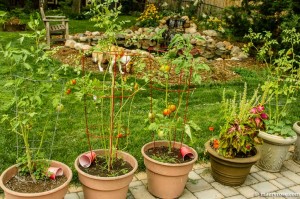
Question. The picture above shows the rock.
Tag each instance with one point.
(228, 45)
(211, 43)
(190, 30)
(211, 33)
(96, 33)
(234, 59)
(70, 43)
(128, 31)
(220, 45)
(88, 33)
(78, 46)
(242, 56)
(128, 36)
(193, 41)
(120, 36)
(201, 42)
(235, 51)
(220, 52)
(83, 39)
(86, 47)
(186, 19)
(208, 55)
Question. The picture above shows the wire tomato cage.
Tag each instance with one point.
(109, 102)
(177, 87)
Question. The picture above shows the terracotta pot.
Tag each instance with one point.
(57, 193)
(296, 156)
(95, 187)
(274, 151)
(230, 171)
(166, 180)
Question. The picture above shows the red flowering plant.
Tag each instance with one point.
(243, 119)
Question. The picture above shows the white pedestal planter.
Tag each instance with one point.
(296, 156)
(273, 151)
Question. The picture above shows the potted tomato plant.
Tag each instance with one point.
(105, 171)
(170, 160)
(30, 120)
(234, 151)
(283, 84)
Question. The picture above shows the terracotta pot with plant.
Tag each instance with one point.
(30, 118)
(282, 86)
(108, 97)
(234, 151)
(169, 162)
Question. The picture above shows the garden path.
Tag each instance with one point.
(201, 185)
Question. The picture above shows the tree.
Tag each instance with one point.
(76, 5)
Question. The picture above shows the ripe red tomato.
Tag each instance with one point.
(172, 107)
(68, 91)
(73, 81)
(167, 112)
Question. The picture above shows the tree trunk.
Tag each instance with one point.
(76, 6)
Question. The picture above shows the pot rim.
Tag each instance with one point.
(278, 139)
(5, 189)
(169, 164)
(135, 166)
(254, 158)
(296, 127)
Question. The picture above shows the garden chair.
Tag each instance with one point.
(55, 25)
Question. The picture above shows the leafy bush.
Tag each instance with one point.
(265, 15)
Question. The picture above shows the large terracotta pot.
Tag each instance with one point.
(95, 187)
(230, 171)
(274, 151)
(296, 156)
(57, 193)
(166, 180)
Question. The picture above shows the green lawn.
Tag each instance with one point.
(68, 128)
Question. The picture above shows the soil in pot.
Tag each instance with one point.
(24, 184)
(162, 154)
(99, 167)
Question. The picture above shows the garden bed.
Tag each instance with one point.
(220, 70)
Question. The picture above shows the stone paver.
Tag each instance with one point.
(277, 184)
(248, 192)
(285, 182)
(266, 175)
(292, 176)
(187, 195)
(72, 196)
(140, 192)
(250, 180)
(209, 194)
(202, 185)
(264, 187)
(258, 177)
(237, 197)
(194, 176)
(197, 185)
(225, 190)
(292, 166)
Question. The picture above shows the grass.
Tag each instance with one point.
(70, 138)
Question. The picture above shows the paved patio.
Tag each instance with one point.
(284, 184)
